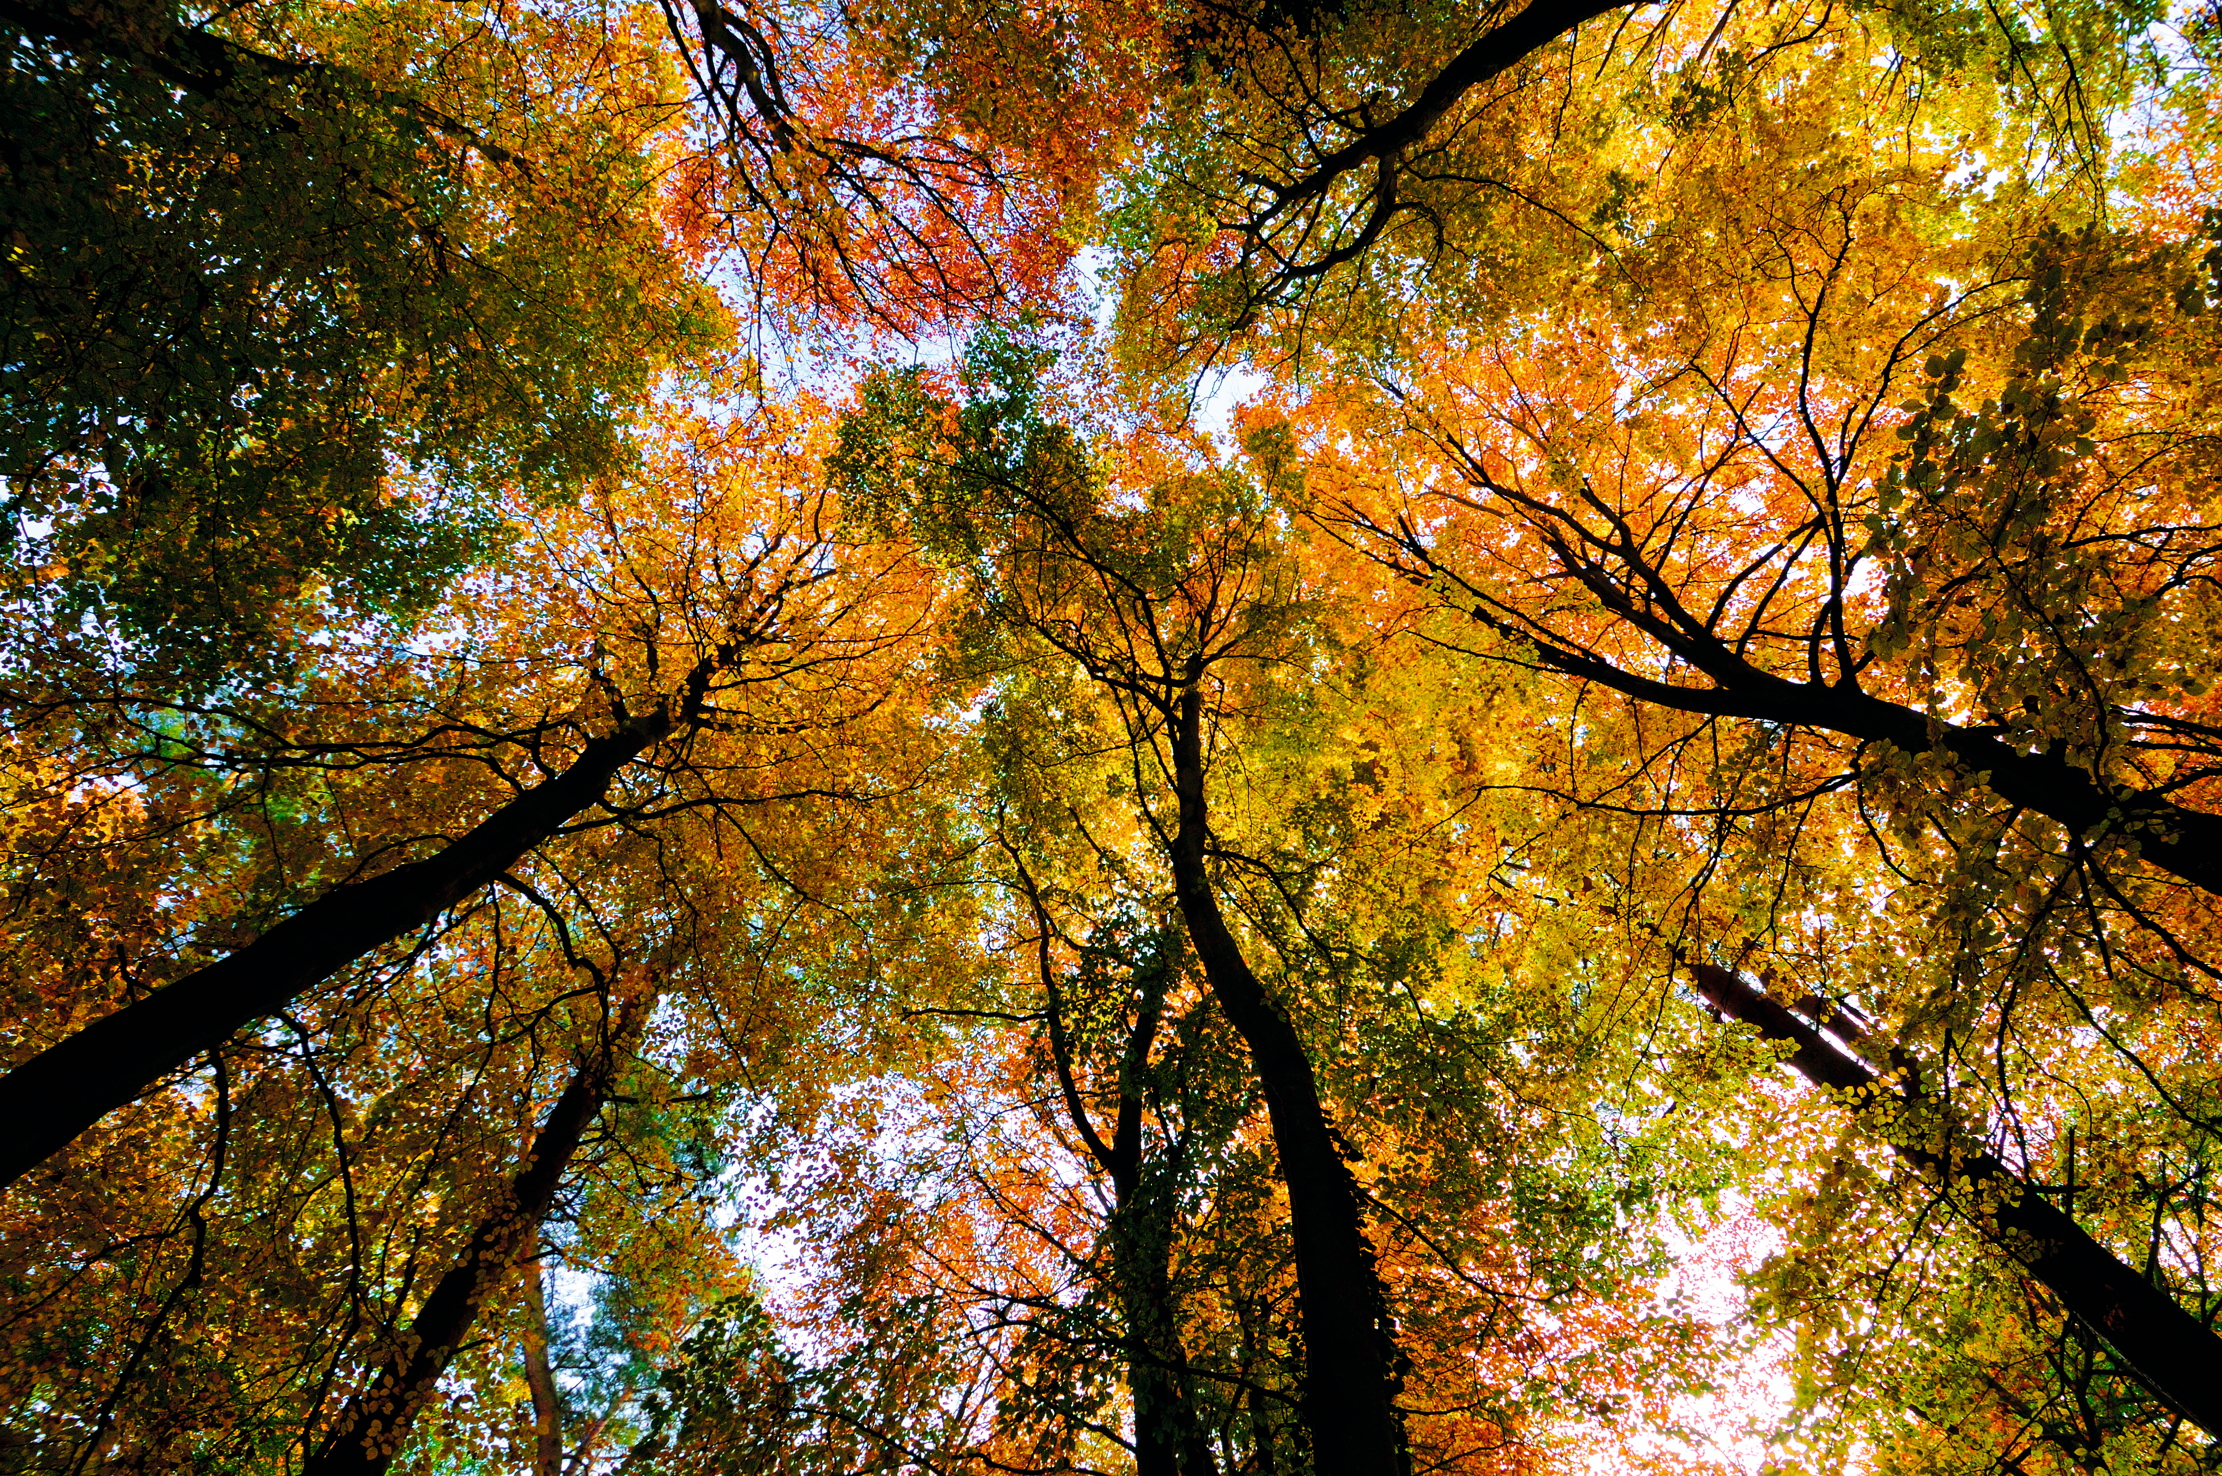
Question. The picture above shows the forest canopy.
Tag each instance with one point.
(1191, 737)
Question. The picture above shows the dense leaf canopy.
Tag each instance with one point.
(1305, 738)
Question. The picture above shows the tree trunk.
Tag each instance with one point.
(547, 1403)
(370, 1430)
(2168, 1350)
(1350, 1380)
(1168, 1437)
(1492, 54)
(2183, 841)
(66, 1088)
(2173, 837)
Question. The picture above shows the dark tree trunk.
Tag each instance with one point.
(1168, 1437)
(1495, 52)
(2167, 1348)
(370, 1430)
(547, 1401)
(72, 1084)
(2177, 839)
(1350, 1357)
(2183, 841)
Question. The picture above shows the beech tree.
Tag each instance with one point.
(1116, 596)
(1145, 629)
(290, 305)
(1912, 668)
(615, 860)
(363, 1083)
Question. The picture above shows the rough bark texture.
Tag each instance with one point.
(2168, 1349)
(371, 1429)
(1350, 1380)
(72, 1084)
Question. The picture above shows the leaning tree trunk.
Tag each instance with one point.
(2171, 1352)
(66, 1088)
(370, 1430)
(2174, 837)
(1350, 1355)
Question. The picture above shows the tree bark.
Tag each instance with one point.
(1168, 1438)
(2170, 1351)
(66, 1088)
(547, 1402)
(371, 1429)
(1493, 53)
(2183, 841)
(1350, 1379)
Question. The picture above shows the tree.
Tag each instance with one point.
(2166, 1347)
(290, 305)
(1842, 642)
(75, 1082)
(1151, 642)
(1013, 501)
(1174, 950)
(1169, 1436)
(383, 1091)
(375, 1423)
